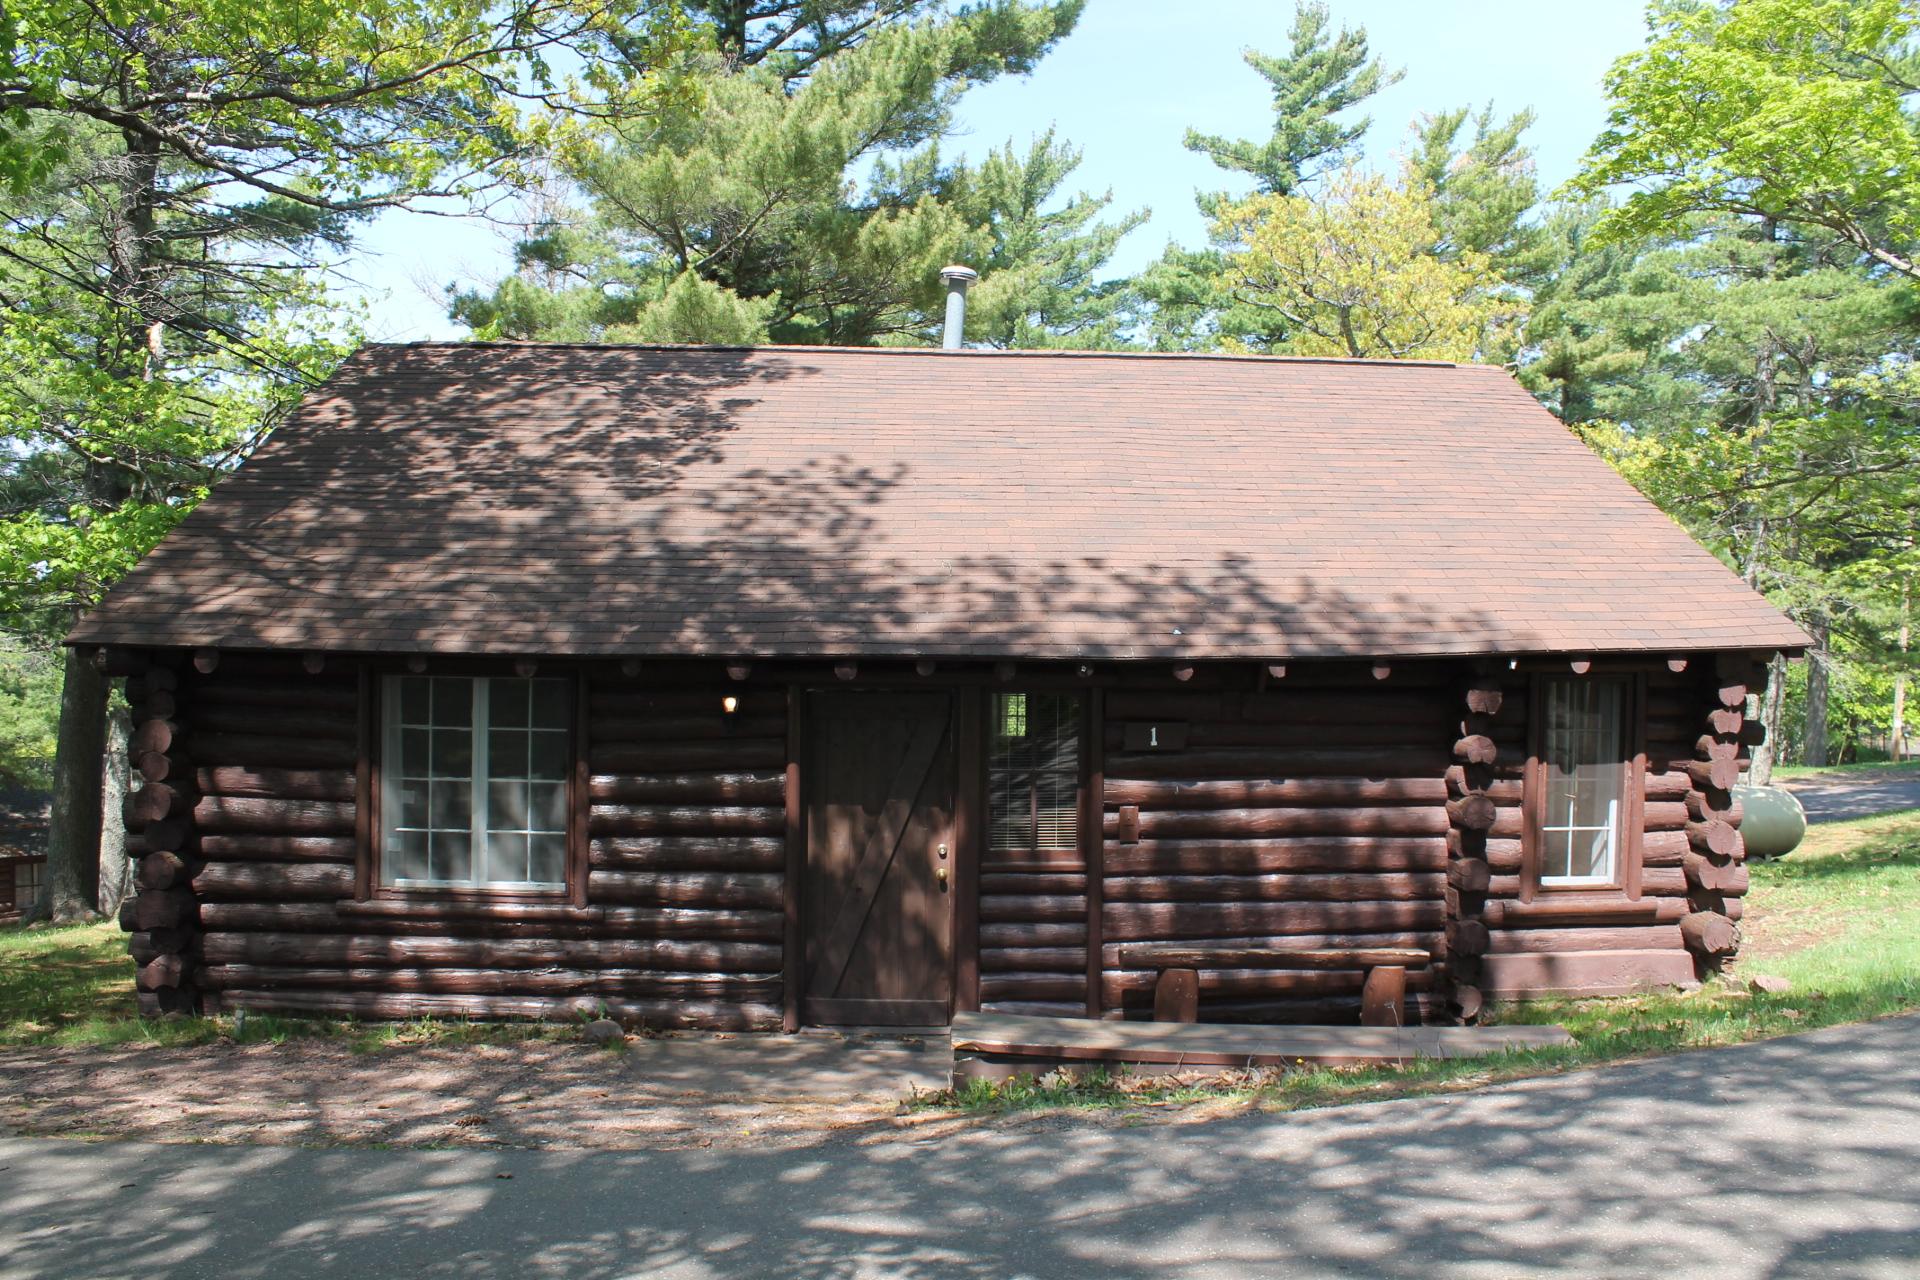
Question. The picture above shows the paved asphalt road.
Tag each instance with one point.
(1798, 1157)
(1841, 797)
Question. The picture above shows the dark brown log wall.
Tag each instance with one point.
(1311, 812)
(678, 924)
(1604, 943)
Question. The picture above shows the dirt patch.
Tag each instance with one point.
(695, 1092)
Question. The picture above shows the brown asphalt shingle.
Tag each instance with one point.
(783, 501)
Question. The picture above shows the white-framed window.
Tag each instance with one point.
(1583, 756)
(474, 782)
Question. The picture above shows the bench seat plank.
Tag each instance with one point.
(1160, 957)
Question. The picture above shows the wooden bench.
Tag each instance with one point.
(1176, 989)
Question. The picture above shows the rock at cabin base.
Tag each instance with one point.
(603, 1031)
(1771, 985)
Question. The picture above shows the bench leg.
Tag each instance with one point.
(1383, 1001)
(1176, 996)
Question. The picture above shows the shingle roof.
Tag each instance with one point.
(806, 501)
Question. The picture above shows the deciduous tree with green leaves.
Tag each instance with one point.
(178, 177)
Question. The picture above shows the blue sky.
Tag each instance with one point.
(1126, 85)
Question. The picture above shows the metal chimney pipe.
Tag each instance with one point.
(957, 278)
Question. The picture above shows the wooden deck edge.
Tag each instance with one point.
(988, 1045)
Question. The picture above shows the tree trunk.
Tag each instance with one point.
(72, 888)
(1814, 750)
(116, 871)
(1897, 747)
(1773, 710)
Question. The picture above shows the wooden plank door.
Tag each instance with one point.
(878, 893)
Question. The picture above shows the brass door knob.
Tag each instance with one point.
(940, 873)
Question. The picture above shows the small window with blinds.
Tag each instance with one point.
(1033, 772)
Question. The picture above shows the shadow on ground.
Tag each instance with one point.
(1792, 1157)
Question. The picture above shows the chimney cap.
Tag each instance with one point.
(956, 272)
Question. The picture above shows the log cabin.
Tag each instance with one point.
(774, 687)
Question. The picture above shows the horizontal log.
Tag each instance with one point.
(1716, 875)
(1661, 881)
(612, 982)
(427, 951)
(1378, 735)
(1663, 848)
(341, 701)
(1033, 959)
(1252, 824)
(269, 848)
(765, 787)
(607, 700)
(1725, 720)
(274, 881)
(169, 834)
(275, 722)
(711, 724)
(731, 755)
(676, 1013)
(1354, 762)
(1034, 908)
(1671, 784)
(1032, 986)
(1034, 933)
(752, 890)
(1379, 887)
(277, 784)
(255, 815)
(688, 853)
(1029, 882)
(1732, 694)
(1190, 921)
(707, 820)
(261, 751)
(1722, 774)
(480, 919)
(1280, 705)
(1314, 853)
(1652, 937)
(1584, 973)
(1274, 793)
(1575, 909)
(1708, 933)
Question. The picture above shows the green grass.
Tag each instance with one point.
(73, 987)
(1839, 919)
(1801, 772)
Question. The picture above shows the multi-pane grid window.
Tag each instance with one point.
(1033, 772)
(1583, 754)
(475, 772)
